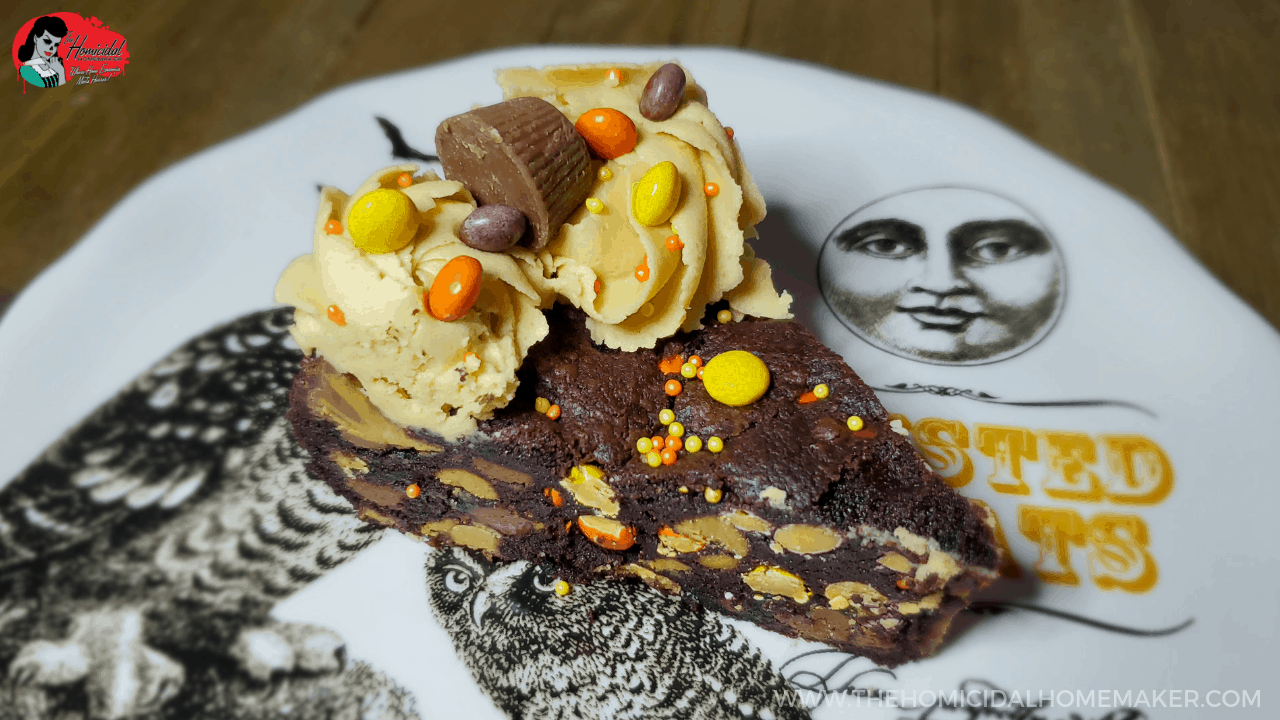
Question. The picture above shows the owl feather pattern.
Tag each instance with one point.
(604, 650)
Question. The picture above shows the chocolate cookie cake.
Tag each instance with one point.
(799, 523)
(568, 353)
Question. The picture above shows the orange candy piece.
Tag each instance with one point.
(336, 314)
(671, 365)
(554, 496)
(711, 189)
(553, 412)
(608, 132)
(596, 287)
(659, 442)
(695, 361)
(413, 491)
(642, 270)
(333, 227)
(455, 289)
(668, 457)
(674, 243)
(672, 388)
(404, 179)
(729, 132)
(807, 398)
(608, 534)
(675, 443)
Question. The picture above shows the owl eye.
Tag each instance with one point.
(457, 580)
(544, 581)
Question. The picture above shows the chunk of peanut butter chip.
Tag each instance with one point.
(896, 562)
(476, 537)
(468, 481)
(587, 485)
(715, 529)
(851, 590)
(718, 562)
(807, 539)
(750, 522)
(497, 472)
(350, 464)
(776, 581)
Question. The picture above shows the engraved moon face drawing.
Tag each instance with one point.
(947, 275)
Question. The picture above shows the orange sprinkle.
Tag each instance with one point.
(553, 412)
(675, 443)
(695, 361)
(711, 189)
(902, 584)
(413, 491)
(337, 316)
(729, 131)
(404, 179)
(671, 365)
(642, 270)
(668, 457)
(554, 495)
(807, 398)
(674, 243)
(596, 287)
(659, 442)
(333, 227)
(673, 387)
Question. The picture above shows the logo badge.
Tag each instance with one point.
(61, 48)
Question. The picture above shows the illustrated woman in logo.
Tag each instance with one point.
(943, 275)
(41, 65)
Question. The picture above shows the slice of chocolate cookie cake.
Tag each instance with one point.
(785, 515)
(567, 352)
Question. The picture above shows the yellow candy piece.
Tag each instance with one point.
(693, 444)
(735, 378)
(654, 197)
(382, 221)
(563, 588)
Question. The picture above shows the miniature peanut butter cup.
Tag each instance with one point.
(524, 153)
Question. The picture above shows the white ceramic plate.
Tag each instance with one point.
(1085, 377)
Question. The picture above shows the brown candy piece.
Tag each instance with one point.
(493, 228)
(524, 153)
(663, 93)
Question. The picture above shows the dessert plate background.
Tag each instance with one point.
(1141, 377)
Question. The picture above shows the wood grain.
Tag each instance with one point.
(1175, 102)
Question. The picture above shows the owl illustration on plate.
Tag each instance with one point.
(601, 650)
(141, 554)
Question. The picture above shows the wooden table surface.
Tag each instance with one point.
(1175, 102)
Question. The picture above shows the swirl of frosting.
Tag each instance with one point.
(419, 371)
(629, 310)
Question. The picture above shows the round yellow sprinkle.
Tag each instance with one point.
(382, 221)
(653, 458)
(666, 416)
(689, 370)
(684, 489)
(854, 423)
(605, 173)
(821, 391)
(542, 405)
(724, 316)
(675, 429)
(563, 588)
(595, 205)
(712, 495)
(735, 378)
(644, 445)
(715, 444)
(693, 444)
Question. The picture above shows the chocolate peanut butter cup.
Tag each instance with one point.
(524, 153)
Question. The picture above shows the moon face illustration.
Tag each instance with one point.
(947, 275)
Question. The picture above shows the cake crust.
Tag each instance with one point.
(800, 524)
